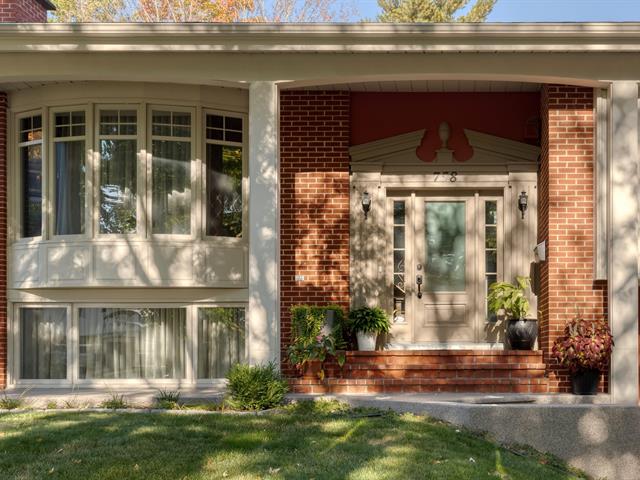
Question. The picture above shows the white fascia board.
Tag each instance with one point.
(330, 38)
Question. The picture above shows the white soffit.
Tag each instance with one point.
(404, 86)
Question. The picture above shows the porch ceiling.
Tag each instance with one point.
(432, 86)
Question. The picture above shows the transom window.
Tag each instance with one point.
(112, 170)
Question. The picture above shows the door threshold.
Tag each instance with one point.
(444, 346)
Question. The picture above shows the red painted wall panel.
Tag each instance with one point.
(509, 115)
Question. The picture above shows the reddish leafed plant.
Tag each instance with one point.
(585, 345)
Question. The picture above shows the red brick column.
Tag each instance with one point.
(314, 203)
(23, 11)
(566, 218)
(3, 239)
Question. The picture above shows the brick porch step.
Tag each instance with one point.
(487, 371)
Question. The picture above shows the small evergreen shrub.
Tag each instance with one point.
(255, 387)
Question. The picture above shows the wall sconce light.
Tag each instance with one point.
(523, 200)
(366, 204)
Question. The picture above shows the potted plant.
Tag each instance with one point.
(510, 299)
(368, 323)
(309, 356)
(584, 349)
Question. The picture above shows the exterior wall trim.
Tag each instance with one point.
(492, 37)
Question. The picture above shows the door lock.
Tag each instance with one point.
(419, 283)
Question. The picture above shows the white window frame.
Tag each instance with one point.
(141, 168)
(194, 165)
(18, 211)
(89, 168)
(73, 346)
(245, 178)
(15, 351)
(200, 382)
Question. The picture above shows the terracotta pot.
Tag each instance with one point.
(311, 369)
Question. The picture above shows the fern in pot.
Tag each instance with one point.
(367, 323)
(510, 300)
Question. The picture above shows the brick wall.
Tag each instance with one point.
(3, 239)
(566, 218)
(314, 202)
(23, 11)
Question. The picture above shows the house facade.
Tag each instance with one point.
(170, 191)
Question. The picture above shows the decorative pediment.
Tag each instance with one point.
(400, 153)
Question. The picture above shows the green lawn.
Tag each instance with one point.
(322, 441)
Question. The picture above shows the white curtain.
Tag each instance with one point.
(171, 187)
(70, 181)
(43, 347)
(132, 343)
(220, 340)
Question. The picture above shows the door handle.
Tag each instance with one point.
(419, 283)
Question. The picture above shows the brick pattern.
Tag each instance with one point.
(3, 240)
(566, 219)
(22, 11)
(405, 371)
(314, 203)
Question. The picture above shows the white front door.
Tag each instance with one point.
(446, 253)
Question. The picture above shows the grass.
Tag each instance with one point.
(321, 441)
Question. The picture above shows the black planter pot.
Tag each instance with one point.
(522, 333)
(585, 382)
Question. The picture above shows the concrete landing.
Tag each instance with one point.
(587, 432)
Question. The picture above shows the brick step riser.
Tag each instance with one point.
(369, 389)
(442, 360)
(400, 374)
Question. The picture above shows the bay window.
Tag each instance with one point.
(70, 169)
(223, 176)
(126, 173)
(118, 171)
(30, 153)
(171, 172)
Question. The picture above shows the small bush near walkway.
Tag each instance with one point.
(257, 387)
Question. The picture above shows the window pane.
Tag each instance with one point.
(220, 340)
(171, 184)
(43, 343)
(118, 186)
(70, 185)
(132, 342)
(224, 191)
(445, 241)
(31, 158)
(398, 213)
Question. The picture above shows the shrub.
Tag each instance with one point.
(51, 405)
(585, 345)
(114, 402)
(369, 320)
(255, 387)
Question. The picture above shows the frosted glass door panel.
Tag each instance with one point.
(445, 243)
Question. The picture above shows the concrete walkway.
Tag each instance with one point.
(588, 432)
